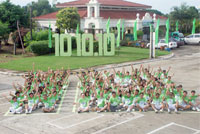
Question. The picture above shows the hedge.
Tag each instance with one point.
(40, 47)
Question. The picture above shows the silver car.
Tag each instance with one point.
(192, 39)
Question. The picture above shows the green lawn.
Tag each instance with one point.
(43, 62)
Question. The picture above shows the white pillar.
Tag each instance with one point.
(154, 44)
(95, 12)
(138, 21)
(88, 11)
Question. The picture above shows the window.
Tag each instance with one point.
(162, 41)
(189, 36)
(197, 36)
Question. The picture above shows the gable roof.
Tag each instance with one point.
(82, 3)
(113, 14)
(82, 13)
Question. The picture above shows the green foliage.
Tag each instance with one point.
(68, 18)
(41, 7)
(42, 35)
(36, 36)
(4, 30)
(74, 45)
(40, 47)
(96, 46)
(184, 14)
(10, 13)
(155, 11)
(140, 34)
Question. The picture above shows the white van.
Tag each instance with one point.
(192, 39)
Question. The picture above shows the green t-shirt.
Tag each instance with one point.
(106, 95)
(36, 99)
(100, 101)
(53, 99)
(31, 101)
(47, 102)
(147, 96)
(20, 98)
(157, 101)
(16, 104)
(128, 100)
(144, 76)
(193, 98)
(170, 100)
(141, 101)
(185, 98)
(114, 101)
(83, 102)
(136, 97)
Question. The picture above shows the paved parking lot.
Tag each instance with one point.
(185, 65)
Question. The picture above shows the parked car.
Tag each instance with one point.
(178, 38)
(192, 39)
(161, 43)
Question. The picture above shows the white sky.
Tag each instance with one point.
(161, 5)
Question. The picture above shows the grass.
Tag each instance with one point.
(126, 54)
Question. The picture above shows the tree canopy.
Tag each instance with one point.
(4, 29)
(184, 14)
(10, 13)
(68, 18)
(41, 7)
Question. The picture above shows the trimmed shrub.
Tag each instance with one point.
(41, 47)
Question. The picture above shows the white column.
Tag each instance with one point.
(154, 44)
(88, 11)
(95, 12)
(138, 21)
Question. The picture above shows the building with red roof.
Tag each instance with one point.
(95, 13)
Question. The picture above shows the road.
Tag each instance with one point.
(186, 66)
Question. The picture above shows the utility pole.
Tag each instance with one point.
(31, 22)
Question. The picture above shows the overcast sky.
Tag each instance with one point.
(161, 5)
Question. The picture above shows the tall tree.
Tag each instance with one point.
(41, 7)
(10, 13)
(4, 32)
(68, 19)
(184, 14)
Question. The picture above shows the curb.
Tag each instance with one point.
(12, 74)
(103, 67)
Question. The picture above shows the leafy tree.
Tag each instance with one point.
(184, 14)
(4, 32)
(10, 13)
(155, 11)
(68, 18)
(41, 7)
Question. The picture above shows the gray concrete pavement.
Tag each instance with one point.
(185, 65)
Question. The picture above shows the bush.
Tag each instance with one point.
(140, 34)
(40, 47)
(42, 35)
(36, 36)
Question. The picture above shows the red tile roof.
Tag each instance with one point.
(113, 14)
(125, 14)
(82, 13)
(123, 3)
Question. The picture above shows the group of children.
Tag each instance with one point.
(40, 90)
(140, 89)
